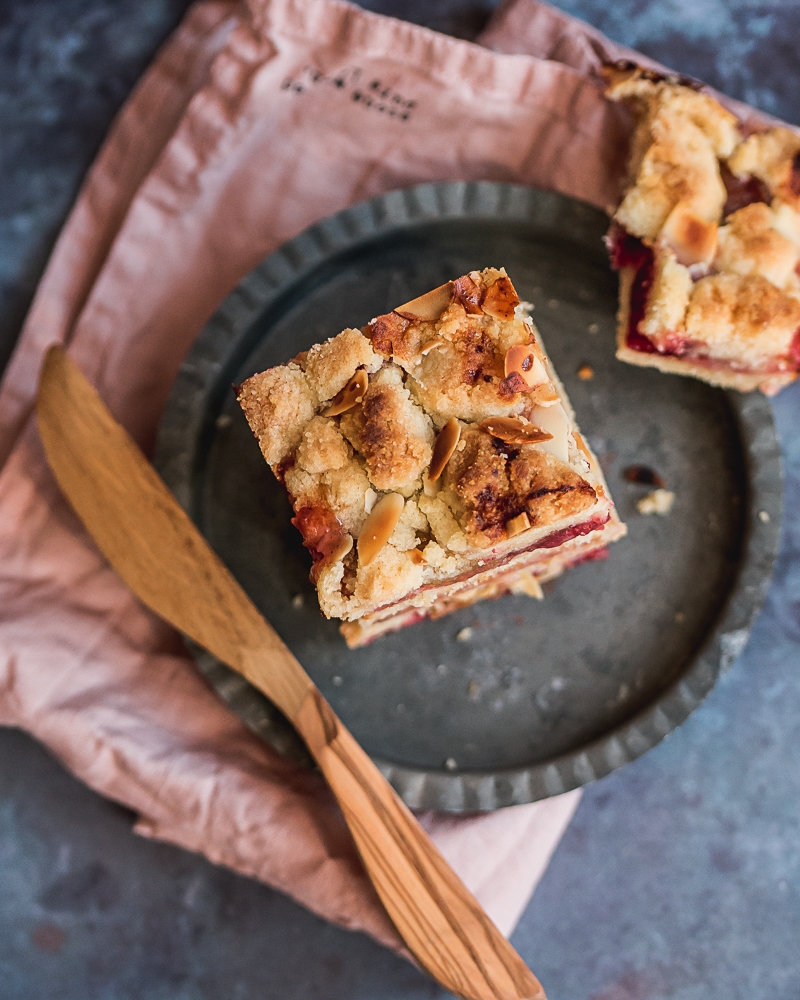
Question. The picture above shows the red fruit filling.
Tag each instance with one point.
(742, 191)
(559, 537)
(626, 250)
(322, 533)
(794, 177)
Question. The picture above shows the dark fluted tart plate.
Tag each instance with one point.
(534, 698)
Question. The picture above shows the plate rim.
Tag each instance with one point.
(221, 339)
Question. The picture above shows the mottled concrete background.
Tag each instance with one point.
(680, 876)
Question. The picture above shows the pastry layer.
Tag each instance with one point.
(707, 239)
(523, 573)
(428, 455)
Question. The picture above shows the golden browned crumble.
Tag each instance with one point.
(717, 217)
(352, 427)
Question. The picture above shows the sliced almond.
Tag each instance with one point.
(521, 359)
(554, 419)
(431, 345)
(370, 499)
(350, 396)
(518, 524)
(527, 584)
(341, 550)
(446, 443)
(692, 239)
(500, 300)
(428, 488)
(416, 557)
(379, 526)
(428, 307)
(469, 293)
(513, 430)
(545, 395)
(582, 446)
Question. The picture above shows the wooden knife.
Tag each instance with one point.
(160, 554)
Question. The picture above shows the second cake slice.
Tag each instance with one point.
(432, 459)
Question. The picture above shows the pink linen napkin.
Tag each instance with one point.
(533, 28)
(253, 122)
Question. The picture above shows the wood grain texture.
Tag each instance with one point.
(157, 550)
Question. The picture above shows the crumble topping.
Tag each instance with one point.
(744, 320)
(717, 221)
(428, 446)
(680, 135)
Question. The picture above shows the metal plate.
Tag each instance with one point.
(542, 697)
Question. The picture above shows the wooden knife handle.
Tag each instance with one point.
(440, 921)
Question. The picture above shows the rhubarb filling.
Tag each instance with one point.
(628, 251)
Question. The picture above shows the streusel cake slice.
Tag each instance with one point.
(432, 459)
(706, 239)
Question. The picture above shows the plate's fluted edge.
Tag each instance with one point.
(180, 433)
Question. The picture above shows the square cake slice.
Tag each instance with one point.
(706, 239)
(432, 459)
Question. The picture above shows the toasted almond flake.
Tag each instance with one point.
(370, 499)
(500, 300)
(416, 556)
(521, 360)
(341, 550)
(555, 421)
(692, 239)
(350, 396)
(379, 526)
(544, 395)
(432, 345)
(513, 430)
(467, 290)
(516, 525)
(583, 447)
(527, 584)
(428, 307)
(446, 443)
(428, 488)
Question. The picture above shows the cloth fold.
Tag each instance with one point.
(253, 122)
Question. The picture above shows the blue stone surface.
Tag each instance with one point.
(680, 875)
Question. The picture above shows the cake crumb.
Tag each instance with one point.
(441, 669)
(450, 764)
(679, 617)
(593, 327)
(223, 420)
(473, 691)
(764, 517)
(298, 601)
(337, 681)
(658, 502)
(586, 372)
(464, 635)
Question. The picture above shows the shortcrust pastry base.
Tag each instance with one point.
(521, 573)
